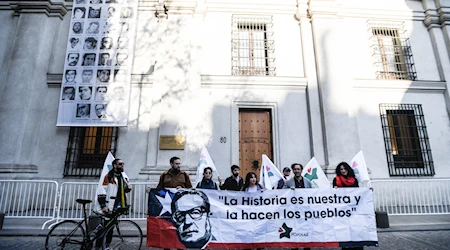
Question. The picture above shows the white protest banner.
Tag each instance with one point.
(359, 166)
(314, 173)
(269, 174)
(204, 161)
(281, 218)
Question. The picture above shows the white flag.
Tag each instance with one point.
(107, 166)
(314, 173)
(204, 161)
(359, 166)
(269, 174)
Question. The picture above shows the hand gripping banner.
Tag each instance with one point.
(288, 218)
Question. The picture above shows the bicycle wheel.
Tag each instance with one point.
(65, 235)
(126, 235)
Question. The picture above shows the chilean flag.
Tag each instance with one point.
(161, 232)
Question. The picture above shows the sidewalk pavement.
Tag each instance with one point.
(397, 223)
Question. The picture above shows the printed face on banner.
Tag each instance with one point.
(190, 214)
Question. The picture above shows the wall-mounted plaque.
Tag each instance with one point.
(174, 142)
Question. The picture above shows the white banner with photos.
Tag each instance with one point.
(95, 88)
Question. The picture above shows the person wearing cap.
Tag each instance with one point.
(286, 174)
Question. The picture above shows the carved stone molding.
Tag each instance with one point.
(54, 80)
(51, 9)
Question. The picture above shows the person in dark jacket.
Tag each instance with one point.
(174, 177)
(207, 182)
(234, 182)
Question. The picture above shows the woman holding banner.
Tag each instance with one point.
(251, 183)
(207, 182)
(345, 177)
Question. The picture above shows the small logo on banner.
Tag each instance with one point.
(285, 231)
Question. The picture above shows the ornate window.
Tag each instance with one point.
(87, 150)
(253, 49)
(406, 140)
(391, 52)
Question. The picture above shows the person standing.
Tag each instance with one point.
(111, 195)
(174, 177)
(207, 182)
(298, 181)
(345, 178)
(234, 182)
(251, 184)
(282, 181)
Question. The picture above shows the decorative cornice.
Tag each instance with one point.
(51, 9)
(271, 82)
(401, 85)
(54, 80)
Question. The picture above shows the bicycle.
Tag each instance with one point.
(70, 234)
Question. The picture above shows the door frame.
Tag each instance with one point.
(273, 107)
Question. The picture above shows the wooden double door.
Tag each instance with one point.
(255, 139)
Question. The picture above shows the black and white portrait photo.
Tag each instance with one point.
(74, 42)
(72, 59)
(124, 28)
(68, 94)
(85, 93)
(95, 1)
(122, 42)
(93, 28)
(80, 1)
(89, 59)
(111, 13)
(104, 59)
(107, 43)
(120, 75)
(190, 215)
(83, 110)
(118, 93)
(103, 75)
(79, 13)
(90, 43)
(121, 59)
(100, 110)
(77, 27)
(70, 76)
(86, 76)
(94, 12)
(126, 12)
(100, 93)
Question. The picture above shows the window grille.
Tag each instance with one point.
(87, 150)
(253, 49)
(406, 140)
(391, 51)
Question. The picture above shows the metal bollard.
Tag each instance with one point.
(2, 218)
(382, 219)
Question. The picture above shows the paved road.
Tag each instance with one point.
(406, 240)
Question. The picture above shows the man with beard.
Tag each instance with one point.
(234, 182)
(190, 215)
(174, 177)
(111, 195)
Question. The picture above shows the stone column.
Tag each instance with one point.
(24, 86)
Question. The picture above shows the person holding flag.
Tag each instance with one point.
(204, 162)
(298, 181)
(345, 176)
(111, 194)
